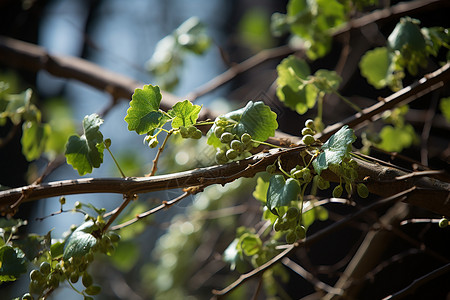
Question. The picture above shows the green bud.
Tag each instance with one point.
(307, 130)
(62, 200)
(93, 290)
(362, 190)
(232, 154)
(196, 135)
(291, 237)
(45, 268)
(271, 169)
(308, 139)
(27, 296)
(87, 279)
(246, 138)
(310, 124)
(292, 213)
(219, 131)
(226, 137)
(300, 232)
(184, 132)
(443, 222)
(78, 205)
(337, 192)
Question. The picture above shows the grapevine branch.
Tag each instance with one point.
(379, 179)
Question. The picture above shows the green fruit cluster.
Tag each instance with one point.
(308, 132)
(234, 146)
(290, 224)
(190, 132)
(302, 174)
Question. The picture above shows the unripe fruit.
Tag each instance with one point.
(300, 232)
(196, 135)
(291, 237)
(27, 296)
(271, 169)
(219, 131)
(246, 138)
(362, 190)
(308, 139)
(184, 132)
(226, 137)
(87, 279)
(337, 192)
(443, 222)
(45, 268)
(36, 275)
(292, 213)
(236, 145)
(310, 124)
(232, 154)
(307, 130)
(191, 129)
(93, 290)
(153, 143)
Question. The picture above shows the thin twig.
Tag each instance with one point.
(160, 150)
(165, 204)
(310, 277)
(419, 282)
(311, 240)
(126, 200)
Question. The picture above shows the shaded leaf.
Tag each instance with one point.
(80, 241)
(86, 152)
(12, 263)
(335, 149)
(281, 192)
(444, 105)
(34, 139)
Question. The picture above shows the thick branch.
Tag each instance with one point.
(381, 180)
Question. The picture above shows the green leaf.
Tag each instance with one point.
(33, 245)
(281, 192)
(144, 116)
(254, 29)
(17, 105)
(249, 243)
(262, 185)
(191, 35)
(57, 249)
(292, 88)
(86, 152)
(444, 105)
(12, 263)
(255, 118)
(184, 114)
(34, 139)
(335, 149)
(395, 139)
(327, 81)
(80, 241)
(375, 67)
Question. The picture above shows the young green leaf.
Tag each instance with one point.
(34, 139)
(281, 192)
(375, 67)
(255, 118)
(292, 88)
(184, 114)
(262, 185)
(80, 241)
(86, 152)
(249, 243)
(143, 115)
(335, 149)
(12, 263)
(395, 139)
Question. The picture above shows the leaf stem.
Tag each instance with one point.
(267, 144)
(348, 102)
(115, 161)
(160, 150)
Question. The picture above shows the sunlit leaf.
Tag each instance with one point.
(184, 114)
(375, 68)
(262, 185)
(144, 116)
(249, 243)
(292, 88)
(335, 149)
(86, 152)
(395, 139)
(256, 119)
